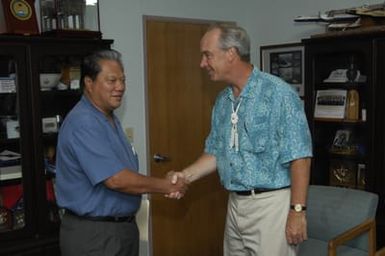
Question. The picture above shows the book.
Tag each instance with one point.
(330, 104)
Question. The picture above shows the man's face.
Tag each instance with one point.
(107, 90)
(214, 59)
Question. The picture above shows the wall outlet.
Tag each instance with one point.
(130, 134)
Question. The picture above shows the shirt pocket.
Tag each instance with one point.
(256, 137)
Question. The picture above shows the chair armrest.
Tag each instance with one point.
(366, 226)
(380, 252)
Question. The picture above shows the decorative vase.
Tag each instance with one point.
(352, 105)
(351, 73)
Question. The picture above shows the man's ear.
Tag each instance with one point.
(87, 82)
(232, 53)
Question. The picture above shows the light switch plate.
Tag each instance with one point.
(130, 134)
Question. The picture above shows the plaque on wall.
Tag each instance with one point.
(20, 17)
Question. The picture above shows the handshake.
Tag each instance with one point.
(179, 183)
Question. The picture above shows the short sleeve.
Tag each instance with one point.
(294, 130)
(95, 153)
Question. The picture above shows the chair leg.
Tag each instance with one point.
(372, 239)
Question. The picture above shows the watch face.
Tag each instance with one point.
(20, 9)
(298, 207)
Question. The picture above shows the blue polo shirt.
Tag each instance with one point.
(272, 131)
(89, 151)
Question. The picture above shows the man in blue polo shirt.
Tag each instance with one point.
(98, 183)
(261, 146)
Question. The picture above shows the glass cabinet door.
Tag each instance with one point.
(340, 114)
(15, 162)
(58, 91)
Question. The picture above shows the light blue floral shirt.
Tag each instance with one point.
(272, 131)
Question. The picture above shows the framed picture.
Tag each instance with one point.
(344, 143)
(286, 61)
(20, 17)
(330, 104)
(342, 139)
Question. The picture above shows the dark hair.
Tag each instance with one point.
(91, 64)
(233, 36)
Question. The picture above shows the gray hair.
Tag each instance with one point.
(91, 64)
(233, 36)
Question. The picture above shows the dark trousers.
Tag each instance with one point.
(82, 237)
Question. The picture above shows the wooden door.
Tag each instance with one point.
(180, 99)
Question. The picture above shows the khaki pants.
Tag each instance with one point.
(255, 225)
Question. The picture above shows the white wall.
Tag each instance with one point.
(268, 22)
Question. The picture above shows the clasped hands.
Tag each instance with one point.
(179, 184)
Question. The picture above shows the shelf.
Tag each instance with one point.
(50, 136)
(9, 141)
(60, 92)
(355, 156)
(334, 120)
(8, 93)
(344, 86)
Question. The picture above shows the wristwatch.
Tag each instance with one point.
(298, 207)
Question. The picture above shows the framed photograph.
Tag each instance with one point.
(342, 139)
(286, 61)
(330, 104)
(344, 143)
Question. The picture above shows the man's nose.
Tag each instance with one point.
(203, 62)
(121, 85)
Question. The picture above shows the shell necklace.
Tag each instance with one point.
(234, 126)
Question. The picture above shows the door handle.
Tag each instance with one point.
(159, 158)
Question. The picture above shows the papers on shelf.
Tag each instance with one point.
(10, 167)
(10, 172)
(8, 158)
(7, 155)
(7, 85)
(339, 76)
(330, 104)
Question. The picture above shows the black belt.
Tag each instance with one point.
(129, 218)
(257, 191)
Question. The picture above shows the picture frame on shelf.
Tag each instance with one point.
(286, 61)
(330, 104)
(341, 139)
(343, 143)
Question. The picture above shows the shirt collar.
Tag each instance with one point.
(252, 88)
(88, 103)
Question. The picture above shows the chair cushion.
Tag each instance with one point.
(333, 210)
(314, 247)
